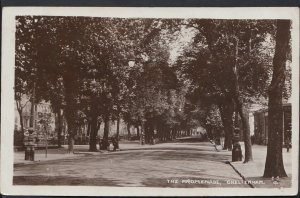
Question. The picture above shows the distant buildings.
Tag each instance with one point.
(41, 110)
(261, 125)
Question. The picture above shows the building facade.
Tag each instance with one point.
(261, 125)
(41, 111)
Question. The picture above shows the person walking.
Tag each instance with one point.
(114, 143)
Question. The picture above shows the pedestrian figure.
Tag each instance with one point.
(102, 144)
(114, 143)
(106, 144)
(222, 139)
(218, 141)
(252, 139)
(152, 140)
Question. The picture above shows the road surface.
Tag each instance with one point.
(162, 165)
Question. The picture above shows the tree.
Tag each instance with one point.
(274, 162)
(145, 90)
(226, 111)
(24, 65)
(47, 51)
(20, 107)
(209, 29)
(36, 36)
(227, 62)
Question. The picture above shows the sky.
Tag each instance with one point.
(183, 39)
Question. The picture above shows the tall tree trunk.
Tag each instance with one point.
(226, 110)
(226, 142)
(128, 131)
(31, 120)
(106, 128)
(208, 129)
(89, 128)
(151, 130)
(236, 118)
(138, 131)
(70, 109)
(22, 124)
(159, 131)
(164, 132)
(98, 126)
(32, 114)
(59, 131)
(146, 127)
(274, 163)
(170, 134)
(142, 132)
(243, 112)
(71, 141)
(93, 134)
(21, 121)
(118, 127)
(71, 130)
(118, 131)
(173, 134)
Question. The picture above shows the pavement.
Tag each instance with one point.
(186, 165)
(253, 171)
(79, 151)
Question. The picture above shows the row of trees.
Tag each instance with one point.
(81, 66)
(229, 64)
(101, 69)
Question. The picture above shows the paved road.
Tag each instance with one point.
(162, 165)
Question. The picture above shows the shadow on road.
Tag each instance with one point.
(60, 180)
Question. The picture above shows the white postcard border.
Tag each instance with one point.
(7, 95)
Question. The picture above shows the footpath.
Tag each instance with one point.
(40, 155)
(79, 151)
(252, 172)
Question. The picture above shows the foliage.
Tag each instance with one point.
(247, 43)
(83, 63)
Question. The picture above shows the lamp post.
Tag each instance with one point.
(43, 122)
(131, 64)
(236, 150)
(33, 100)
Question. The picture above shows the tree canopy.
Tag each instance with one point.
(101, 69)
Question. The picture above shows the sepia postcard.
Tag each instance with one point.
(115, 101)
